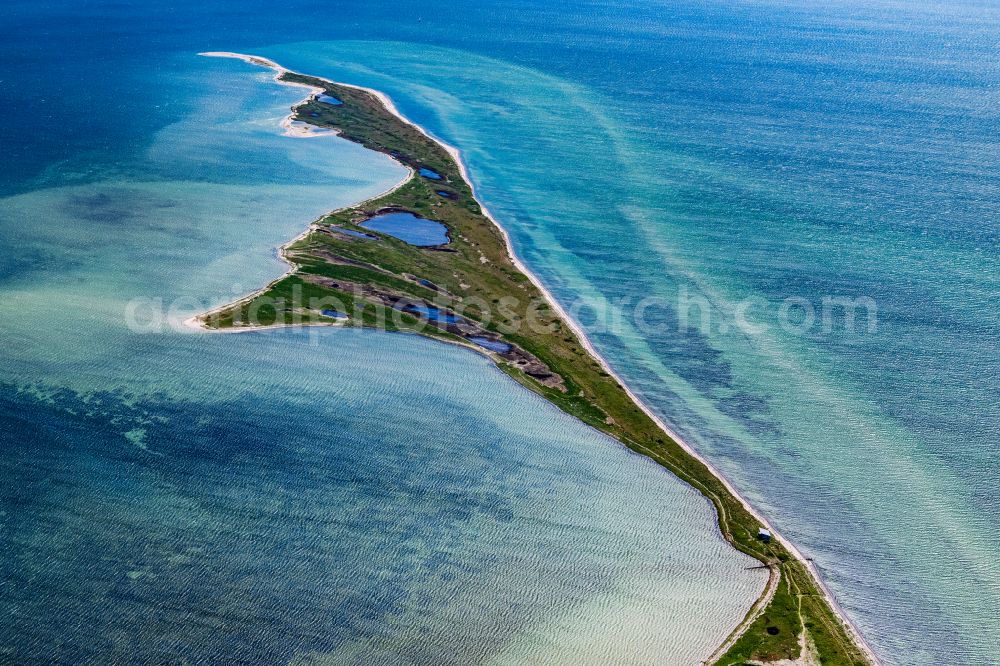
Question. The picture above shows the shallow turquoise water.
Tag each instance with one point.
(716, 150)
(298, 496)
(873, 451)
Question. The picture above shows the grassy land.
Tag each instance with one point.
(375, 281)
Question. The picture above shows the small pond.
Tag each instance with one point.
(492, 345)
(327, 99)
(432, 313)
(333, 314)
(409, 228)
(429, 173)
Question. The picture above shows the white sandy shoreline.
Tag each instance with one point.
(296, 131)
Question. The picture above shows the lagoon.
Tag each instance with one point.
(433, 314)
(492, 345)
(409, 228)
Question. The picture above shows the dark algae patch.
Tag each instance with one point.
(470, 292)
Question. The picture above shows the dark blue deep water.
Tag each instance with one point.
(169, 497)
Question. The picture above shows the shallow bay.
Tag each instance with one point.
(299, 496)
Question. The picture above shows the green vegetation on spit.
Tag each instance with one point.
(471, 288)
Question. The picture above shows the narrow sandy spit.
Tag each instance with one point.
(294, 131)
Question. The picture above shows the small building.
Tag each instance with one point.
(764, 535)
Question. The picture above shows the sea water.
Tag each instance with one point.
(313, 496)
(694, 152)
(794, 177)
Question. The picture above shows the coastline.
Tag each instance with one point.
(292, 130)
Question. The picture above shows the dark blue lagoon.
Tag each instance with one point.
(327, 99)
(334, 314)
(409, 228)
(429, 173)
(492, 345)
(433, 313)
